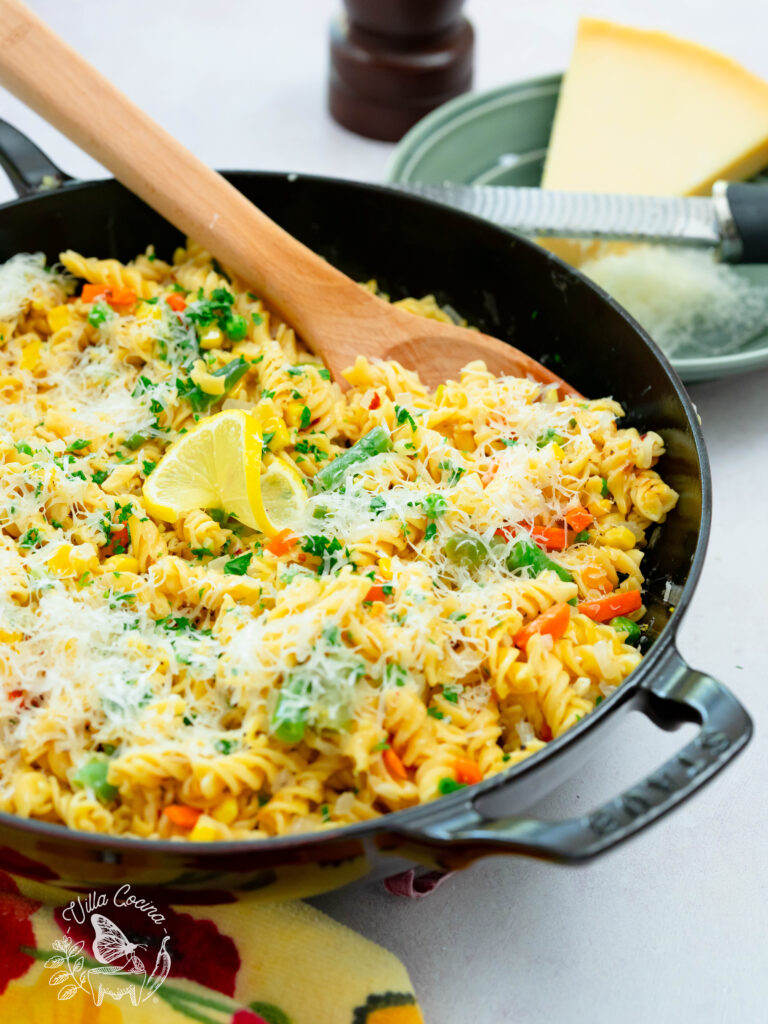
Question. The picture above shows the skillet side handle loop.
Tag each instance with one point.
(680, 695)
(27, 167)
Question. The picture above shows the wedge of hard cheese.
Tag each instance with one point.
(645, 112)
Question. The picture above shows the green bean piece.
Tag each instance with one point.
(289, 717)
(373, 443)
(527, 555)
(232, 372)
(135, 441)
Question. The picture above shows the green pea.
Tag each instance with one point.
(465, 550)
(93, 775)
(624, 625)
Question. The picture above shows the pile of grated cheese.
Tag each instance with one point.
(690, 304)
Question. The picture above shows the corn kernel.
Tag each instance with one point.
(149, 312)
(60, 561)
(30, 355)
(120, 563)
(211, 338)
(203, 832)
(58, 317)
(619, 537)
(7, 381)
(227, 811)
(551, 397)
(385, 567)
(10, 638)
(558, 452)
(293, 413)
(73, 561)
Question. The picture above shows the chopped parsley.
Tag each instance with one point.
(79, 445)
(447, 785)
(328, 549)
(98, 314)
(549, 436)
(218, 310)
(403, 416)
(238, 566)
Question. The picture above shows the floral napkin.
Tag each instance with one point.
(118, 958)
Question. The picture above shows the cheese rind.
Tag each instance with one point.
(644, 112)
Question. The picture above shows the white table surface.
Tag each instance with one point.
(672, 927)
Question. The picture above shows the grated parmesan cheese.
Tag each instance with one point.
(688, 302)
(22, 278)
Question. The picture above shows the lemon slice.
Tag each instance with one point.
(218, 465)
(283, 497)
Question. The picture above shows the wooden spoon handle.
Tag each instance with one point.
(46, 74)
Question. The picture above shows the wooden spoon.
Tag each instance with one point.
(333, 315)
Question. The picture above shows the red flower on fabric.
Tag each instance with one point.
(247, 1017)
(197, 948)
(12, 860)
(15, 931)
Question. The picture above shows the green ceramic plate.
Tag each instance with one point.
(500, 138)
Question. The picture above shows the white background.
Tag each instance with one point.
(672, 927)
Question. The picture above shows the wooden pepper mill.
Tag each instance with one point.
(392, 61)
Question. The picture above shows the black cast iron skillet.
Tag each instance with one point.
(511, 289)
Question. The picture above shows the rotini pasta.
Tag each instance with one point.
(462, 593)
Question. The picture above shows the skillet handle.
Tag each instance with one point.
(680, 694)
(28, 168)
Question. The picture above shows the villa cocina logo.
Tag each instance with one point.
(116, 968)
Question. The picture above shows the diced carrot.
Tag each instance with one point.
(546, 733)
(596, 578)
(114, 296)
(489, 475)
(121, 297)
(554, 538)
(605, 608)
(92, 292)
(176, 302)
(375, 593)
(578, 518)
(15, 694)
(553, 622)
(375, 402)
(182, 815)
(120, 537)
(467, 772)
(282, 542)
(395, 766)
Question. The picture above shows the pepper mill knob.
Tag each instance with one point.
(392, 61)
